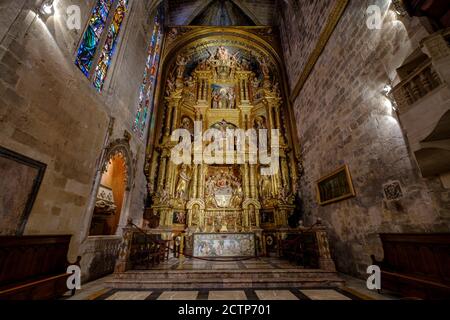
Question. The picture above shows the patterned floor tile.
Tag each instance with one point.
(275, 295)
(130, 295)
(227, 295)
(178, 295)
(324, 294)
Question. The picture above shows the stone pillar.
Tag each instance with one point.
(123, 260)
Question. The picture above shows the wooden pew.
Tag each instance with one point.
(33, 267)
(416, 265)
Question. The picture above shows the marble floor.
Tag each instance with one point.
(215, 294)
(354, 289)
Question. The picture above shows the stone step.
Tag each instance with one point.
(191, 279)
(226, 283)
(223, 274)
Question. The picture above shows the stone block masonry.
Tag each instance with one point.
(50, 112)
(343, 118)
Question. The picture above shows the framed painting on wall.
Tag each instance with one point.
(336, 186)
(20, 180)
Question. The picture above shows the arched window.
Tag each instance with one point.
(93, 38)
(147, 88)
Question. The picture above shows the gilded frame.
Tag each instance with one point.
(335, 174)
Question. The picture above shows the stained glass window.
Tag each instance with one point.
(110, 44)
(147, 88)
(92, 35)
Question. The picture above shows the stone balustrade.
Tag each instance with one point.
(419, 84)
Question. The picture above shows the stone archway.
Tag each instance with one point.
(111, 209)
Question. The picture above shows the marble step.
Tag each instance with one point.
(224, 274)
(226, 283)
(189, 279)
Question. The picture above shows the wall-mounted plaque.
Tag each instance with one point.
(20, 179)
(335, 187)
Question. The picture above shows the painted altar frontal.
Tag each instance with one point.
(214, 245)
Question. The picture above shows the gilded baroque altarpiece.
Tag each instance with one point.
(223, 78)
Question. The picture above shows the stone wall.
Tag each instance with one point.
(49, 110)
(343, 118)
(301, 23)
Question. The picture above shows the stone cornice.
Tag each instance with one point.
(333, 20)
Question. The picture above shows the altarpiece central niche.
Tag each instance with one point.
(221, 209)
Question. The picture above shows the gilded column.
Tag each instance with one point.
(195, 182)
(201, 182)
(242, 90)
(174, 118)
(246, 181)
(285, 171)
(168, 120)
(271, 121)
(162, 174)
(253, 182)
(170, 172)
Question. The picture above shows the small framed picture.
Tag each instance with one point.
(336, 186)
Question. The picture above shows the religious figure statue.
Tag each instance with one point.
(215, 100)
(252, 215)
(195, 214)
(187, 124)
(276, 89)
(255, 84)
(231, 98)
(181, 65)
(244, 65)
(264, 64)
(265, 190)
(237, 195)
(260, 123)
(183, 182)
(170, 87)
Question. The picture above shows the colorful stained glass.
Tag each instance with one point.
(110, 44)
(91, 36)
(147, 88)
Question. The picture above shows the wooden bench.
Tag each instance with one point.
(416, 265)
(33, 267)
